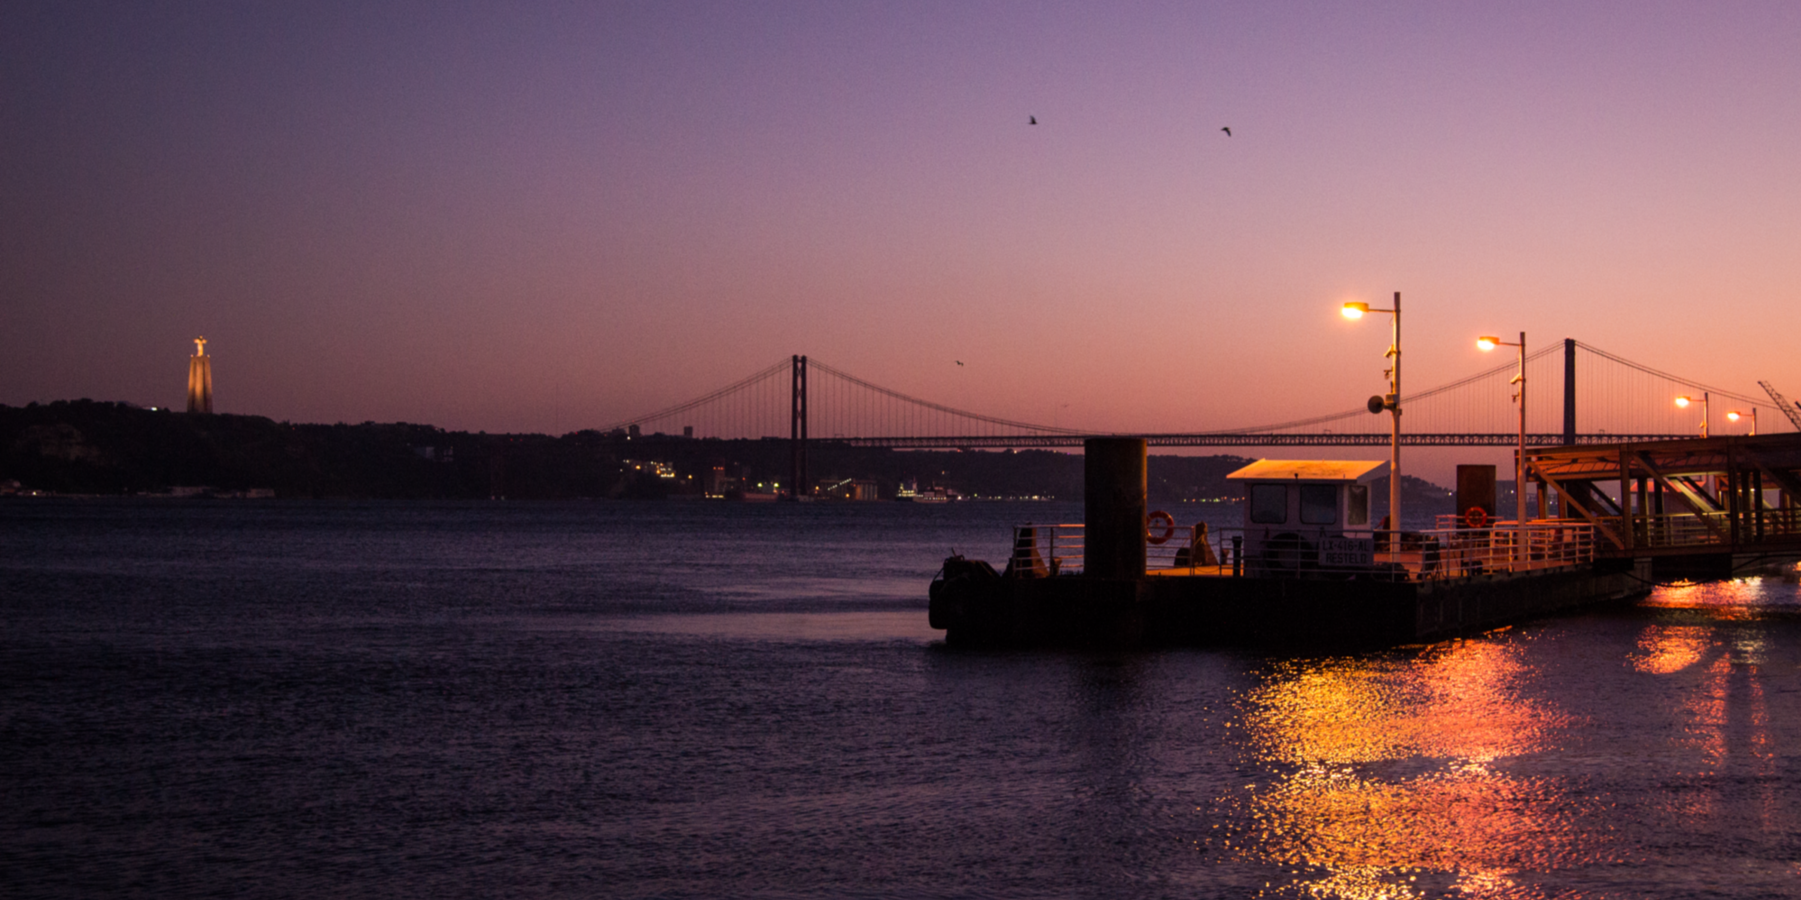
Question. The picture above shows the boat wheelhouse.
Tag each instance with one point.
(1301, 513)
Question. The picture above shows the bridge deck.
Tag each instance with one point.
(1239, 439)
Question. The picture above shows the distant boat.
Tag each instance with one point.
(909, 492)
(751, 496)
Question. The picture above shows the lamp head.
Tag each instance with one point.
(1355, 309)
(1486, 343)
(1732, 416)
(1683, 402)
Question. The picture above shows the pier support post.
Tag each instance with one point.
(1113, 507)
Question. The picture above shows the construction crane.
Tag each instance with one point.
(1790, 409)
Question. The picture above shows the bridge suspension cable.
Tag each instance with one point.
(1621, 398)
(1716, 391)
(1361, 412)
(939, 407)
(735, 387)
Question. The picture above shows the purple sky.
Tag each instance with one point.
(556, 215)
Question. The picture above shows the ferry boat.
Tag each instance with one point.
(909, 492)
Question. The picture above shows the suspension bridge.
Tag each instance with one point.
(1602, 398)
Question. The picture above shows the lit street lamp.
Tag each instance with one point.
(1683, 402)
(1519, 464)
(1734, 417)
(1392, 403)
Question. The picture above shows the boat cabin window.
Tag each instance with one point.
(1269, 504)
(1319, 504)
(1359, 511)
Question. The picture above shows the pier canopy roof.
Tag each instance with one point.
(1776, 454)
(1361, 471)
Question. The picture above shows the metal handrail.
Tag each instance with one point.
(1429, 555)
(1041, 551)
(1435, 554)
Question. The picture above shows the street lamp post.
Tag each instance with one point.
(1683, 402)
(1392, 403)
(1519, 462)
(1734, 416)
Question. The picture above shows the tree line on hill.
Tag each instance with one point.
(90, 447)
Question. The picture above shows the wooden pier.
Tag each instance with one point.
(1706, 508)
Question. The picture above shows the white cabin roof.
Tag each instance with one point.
(1361, 471)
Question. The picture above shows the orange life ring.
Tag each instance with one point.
(1169, 526)
(1476, 517)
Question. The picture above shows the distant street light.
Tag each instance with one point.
(1486, 344)
(1685, 400)
(1392, 403)
(1734, 416)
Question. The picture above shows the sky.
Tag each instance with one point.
(556, 215)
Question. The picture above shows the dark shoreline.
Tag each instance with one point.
(94, 448)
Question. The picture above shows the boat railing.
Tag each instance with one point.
(1045, 550)
(1435, 554)
(1041, 551)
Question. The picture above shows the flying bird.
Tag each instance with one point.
(1031, 120)
(1228, 131)
(959, 362)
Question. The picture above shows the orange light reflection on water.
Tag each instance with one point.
(1735, 599)
(1716, 677)
(1667, 649)
(1392, 774)
(1402, 776)
(1720, 711)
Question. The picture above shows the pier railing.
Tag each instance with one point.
(1692, 529)
(1437, 554)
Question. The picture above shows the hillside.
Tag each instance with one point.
(90, 447)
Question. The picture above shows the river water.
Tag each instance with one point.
(275, 699)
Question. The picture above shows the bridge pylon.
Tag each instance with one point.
(797, 430)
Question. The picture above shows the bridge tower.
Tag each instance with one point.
(797, 431)
(1569, 391)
